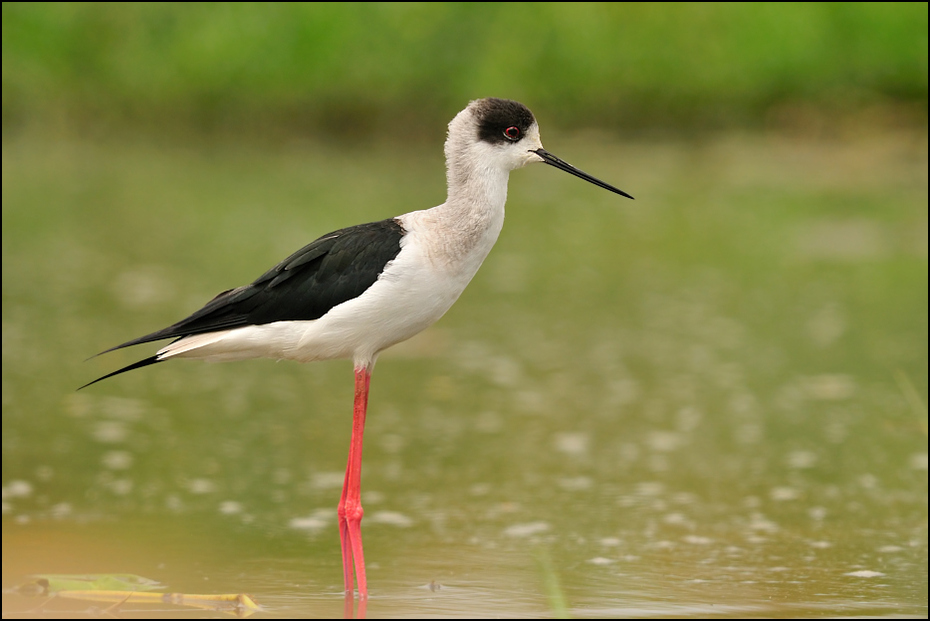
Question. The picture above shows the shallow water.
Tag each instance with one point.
(707, 402)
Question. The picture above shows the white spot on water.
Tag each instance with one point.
(760, 522)
(827, 325)
(649, 488)
(864, 573)
(110, 432)
(697, 540)
(527, 529)
(120, 487)
(390, 517)
(918, 461)
(174, 503)
(678, 519)
(372, 497)
(784, 493)
(829, 387)
(62, 510)
(230, 507)
(117, 460)
(318, 520)
(571, 443)
(868, 481)
(664, 441)
(801, 459)
(17, 489)
(201, 486)
(817, 513)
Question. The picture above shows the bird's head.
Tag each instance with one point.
(502, 134)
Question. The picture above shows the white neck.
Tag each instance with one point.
(473, 215)
(463, 230)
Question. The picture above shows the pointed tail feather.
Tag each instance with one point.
(136, 365)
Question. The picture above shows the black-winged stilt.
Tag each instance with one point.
(357, 291)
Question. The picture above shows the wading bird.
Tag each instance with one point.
(356, 291)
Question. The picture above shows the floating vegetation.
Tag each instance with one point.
(120, 590)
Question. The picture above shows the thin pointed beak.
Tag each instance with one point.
(552, 160)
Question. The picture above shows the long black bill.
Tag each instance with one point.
(563, 165)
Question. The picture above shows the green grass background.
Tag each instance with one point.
(344, 69)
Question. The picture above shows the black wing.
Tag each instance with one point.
(333, 269)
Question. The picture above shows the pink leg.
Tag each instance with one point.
(350, 506)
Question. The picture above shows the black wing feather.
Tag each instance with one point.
(333, 269)
(135, 365)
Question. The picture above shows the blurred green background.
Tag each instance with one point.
(352, 68)
(707, 401)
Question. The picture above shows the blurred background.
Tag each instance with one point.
(346, 70)
(711, 400)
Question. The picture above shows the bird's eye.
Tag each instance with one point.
(512, 132)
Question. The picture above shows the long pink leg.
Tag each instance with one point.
(350, 506)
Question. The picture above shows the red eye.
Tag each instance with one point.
(512, 132)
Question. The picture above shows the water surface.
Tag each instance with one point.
(707, 402)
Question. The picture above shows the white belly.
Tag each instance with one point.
(413, 292)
